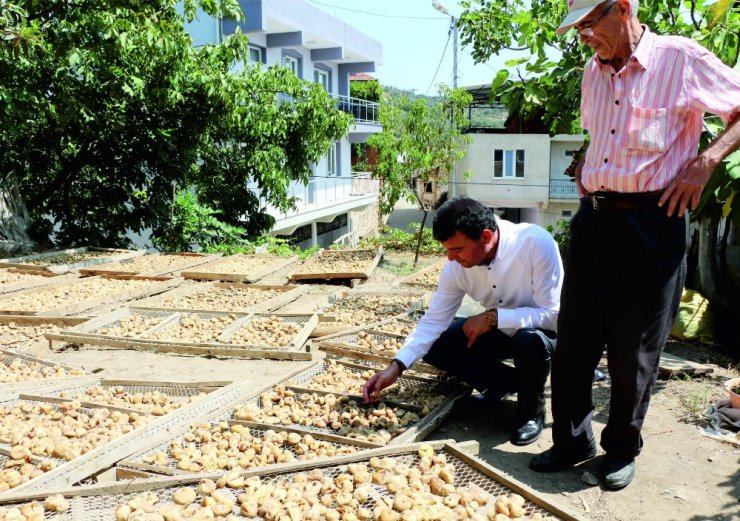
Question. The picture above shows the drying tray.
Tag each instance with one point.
(31, 321)
(97, 502)
(89, 333)
(129, 266)
(170, 468)
(197, 290)
(159, 428)
(216, 270)
(417, 279)
(114, 255)
(415, 432)
(33, 279)
(330, 324)
(158, 284)
(11, 390)
(304, 272)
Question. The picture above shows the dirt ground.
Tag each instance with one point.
(681, 476)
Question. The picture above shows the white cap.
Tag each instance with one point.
(577, 11)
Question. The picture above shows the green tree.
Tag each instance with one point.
(549, 88)
(419, 142)
(369, 90)
(105, 105)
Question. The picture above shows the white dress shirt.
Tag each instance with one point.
(522, 282)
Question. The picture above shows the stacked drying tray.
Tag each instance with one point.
(215, 333)
(73, 297)
(61, 261)
(83, 430)
(433, 480)
(357, 308)
(152, 265)
(247, 436)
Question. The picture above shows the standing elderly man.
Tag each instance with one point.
(643, 100)
(515, 272)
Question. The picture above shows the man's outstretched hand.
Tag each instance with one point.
(379, 381)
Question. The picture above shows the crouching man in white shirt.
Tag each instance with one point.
(515, 272)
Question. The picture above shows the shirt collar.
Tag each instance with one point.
(644, 47)
(641, 52)
(502, 244)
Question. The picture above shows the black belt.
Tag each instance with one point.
(610, 201)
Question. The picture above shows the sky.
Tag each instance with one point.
(413, 35)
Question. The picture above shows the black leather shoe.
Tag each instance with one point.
(618, 473)
(529, 432)
(555, 459)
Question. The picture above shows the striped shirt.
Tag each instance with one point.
(645, 120)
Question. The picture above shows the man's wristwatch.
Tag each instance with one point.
(400, 364)
(491, 316)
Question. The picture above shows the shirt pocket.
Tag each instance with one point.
(651, 130)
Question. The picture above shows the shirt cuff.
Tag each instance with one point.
(406, 357)
(507, 319)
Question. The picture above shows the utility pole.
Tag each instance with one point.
(453, 29)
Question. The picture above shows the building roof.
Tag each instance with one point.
(361, 76)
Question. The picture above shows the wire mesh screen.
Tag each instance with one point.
(330, 375)
(466, 479)
(216, 446)
(133, 324)
(149, 399)
(15, 369)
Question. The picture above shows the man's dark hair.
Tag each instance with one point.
(465, 215)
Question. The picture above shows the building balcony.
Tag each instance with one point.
(563, 189)
(362, 110)
(322, 199)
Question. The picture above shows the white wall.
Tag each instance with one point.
(558, 160)
(528, 191)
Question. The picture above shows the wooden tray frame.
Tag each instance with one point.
(290, 293)
(189, 259)
(109, 453)
(116, 255)
(81, 335)
(448, 446)
(75, 309)
(46, 278)
(210, 271)
(317, 257)
(409, 279)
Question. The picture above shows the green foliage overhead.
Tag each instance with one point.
(419, 139)
(105, 105)
(368, 90)
(547, 87)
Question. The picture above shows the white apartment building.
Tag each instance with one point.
(317, 47)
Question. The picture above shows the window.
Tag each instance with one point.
(331, 160)
(291, 63)
(255, 54)
(322, 78)
(570, 153)
(567, 213)
(337, 223)
(508, 163)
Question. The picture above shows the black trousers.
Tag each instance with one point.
(481, 365)
(625, 271)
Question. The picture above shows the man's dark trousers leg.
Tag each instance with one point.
(624, 276)
(481, 365)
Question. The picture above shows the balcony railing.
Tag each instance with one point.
(563, 189)
(324, 191)
(362, 110)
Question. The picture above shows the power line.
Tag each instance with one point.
(439, 64)
(381, 15)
